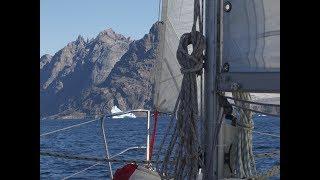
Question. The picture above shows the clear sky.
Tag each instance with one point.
(61, 21)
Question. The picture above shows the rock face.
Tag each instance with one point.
(45, 59)
(89, 77)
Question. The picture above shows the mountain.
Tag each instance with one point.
(45, 59)
(89, 77)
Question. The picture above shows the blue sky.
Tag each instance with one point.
(61, 21)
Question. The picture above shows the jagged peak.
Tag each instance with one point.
(48, 56)
(109, 30)
(45, 59)
(155, 26)
(110, 33)
(80, 40)
(151, 37)
(154, 30)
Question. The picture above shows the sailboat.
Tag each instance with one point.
(241, 56)
(213, 54)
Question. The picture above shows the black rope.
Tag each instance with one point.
(87, 158)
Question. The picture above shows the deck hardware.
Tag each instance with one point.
(225, 67)
(227, 6)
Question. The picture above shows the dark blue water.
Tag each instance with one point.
(123, 133)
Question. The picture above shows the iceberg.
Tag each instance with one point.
(115, 110)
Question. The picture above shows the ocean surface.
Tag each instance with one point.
(87, 140)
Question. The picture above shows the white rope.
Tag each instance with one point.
(245, 163)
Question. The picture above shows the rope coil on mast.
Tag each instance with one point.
(243, 153)
(245, 166)
(186, 150)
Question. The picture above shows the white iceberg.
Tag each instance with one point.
(115, 110)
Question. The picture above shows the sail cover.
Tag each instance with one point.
(177, 18)
(251, 45)
(251, 32)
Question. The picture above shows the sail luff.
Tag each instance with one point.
(177, 19)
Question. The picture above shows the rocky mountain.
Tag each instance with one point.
(88, 77)
(45, 59)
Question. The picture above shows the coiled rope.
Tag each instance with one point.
(186, 150)
(245, 163)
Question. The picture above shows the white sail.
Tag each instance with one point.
(177, 18)
(251, 36)
(251, 46)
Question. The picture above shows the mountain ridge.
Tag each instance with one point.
(87, 78)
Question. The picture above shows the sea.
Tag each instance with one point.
(87, 140)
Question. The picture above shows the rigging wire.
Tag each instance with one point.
(106, 146)
(83, 170)
(69, 127)
(256, 111)
(251, 102)
(98, 163)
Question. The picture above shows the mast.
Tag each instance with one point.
(221, 137)
(210, 86)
